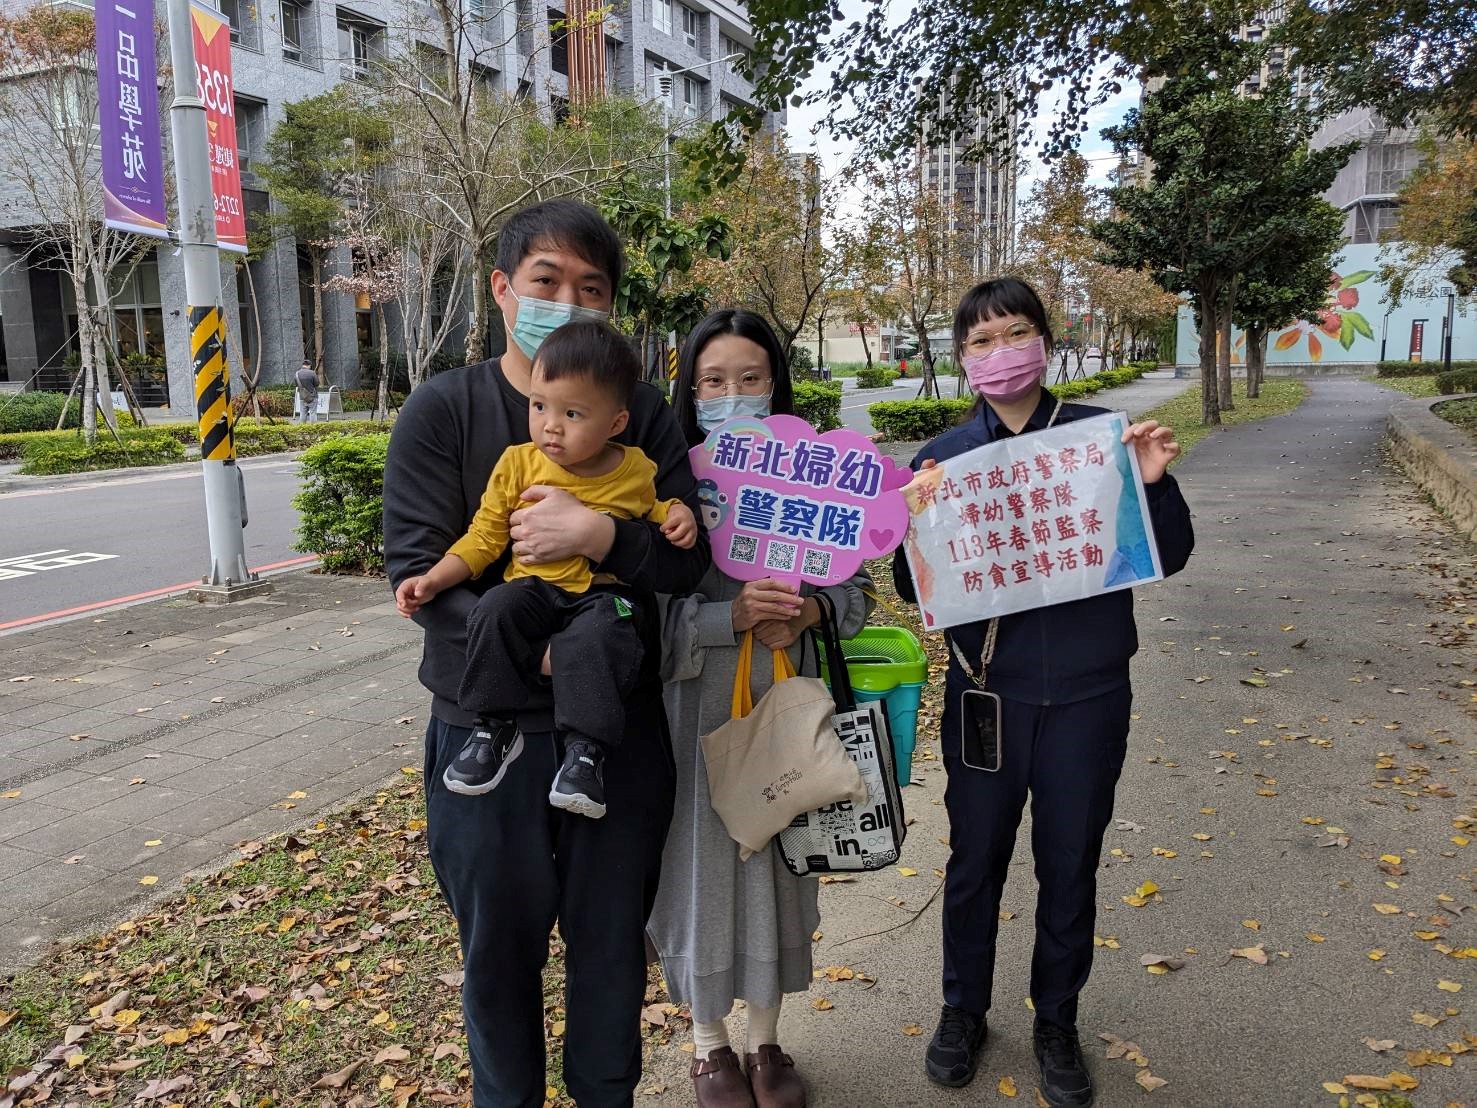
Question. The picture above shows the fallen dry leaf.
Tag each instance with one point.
(912, 1029)
(1007, 1087)
(149, 880)
(1378, 1045)
(1387, 909)
(339, 1078)
(821, 1004)
(906, 872)
(1252, 954)
(396, 1053)
(1148, 1081)
(1448, 986)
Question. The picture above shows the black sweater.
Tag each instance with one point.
(449, 435)
(1064, 652)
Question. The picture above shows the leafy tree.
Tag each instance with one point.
(1437, 222)
(317, 159)
(1288, 285)
(660, 253)
(781, 264)
(940, 64)
(1230, 179)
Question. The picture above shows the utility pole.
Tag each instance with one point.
(225, 492)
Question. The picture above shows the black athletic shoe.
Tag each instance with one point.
(579, 786)
(954, 1053)
(480, 766)
(1064, 1078)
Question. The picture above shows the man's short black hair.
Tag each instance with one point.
(596, 351)
(563, 225)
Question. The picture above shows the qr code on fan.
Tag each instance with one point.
(781, 556)
(817, 563)
(744, 548)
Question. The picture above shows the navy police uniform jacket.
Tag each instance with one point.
(1065, 652)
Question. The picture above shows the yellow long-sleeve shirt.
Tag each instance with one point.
(626, 492)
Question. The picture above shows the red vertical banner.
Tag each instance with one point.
(213, 85)
(1417, 339)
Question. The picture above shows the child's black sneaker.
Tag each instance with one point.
(579, 786)
(480, 766)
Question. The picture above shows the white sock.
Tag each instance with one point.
(764, 1027)
(708, 1037)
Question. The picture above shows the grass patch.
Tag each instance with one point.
(1412, 386)
(1279, 395)
(1463, 413)
(310, 953)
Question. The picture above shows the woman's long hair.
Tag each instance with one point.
(746, 325)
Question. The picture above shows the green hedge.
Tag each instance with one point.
(46, 457)
(341, 505)
(919, 420)
(35, 411)
(1463, 379)
(1417, 369)
(876, 377)
(819, 403)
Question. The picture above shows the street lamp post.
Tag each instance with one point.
(1447, 325)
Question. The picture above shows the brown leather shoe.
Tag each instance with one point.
(773, 1078)
(719, 1082)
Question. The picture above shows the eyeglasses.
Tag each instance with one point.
(711, 386)
(1016, 336)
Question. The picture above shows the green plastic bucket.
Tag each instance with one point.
(888, 664)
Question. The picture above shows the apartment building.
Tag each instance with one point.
(688, 52)
(983, 190)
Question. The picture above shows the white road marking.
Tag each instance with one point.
(24, 565)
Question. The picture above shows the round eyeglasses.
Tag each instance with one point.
(710, 386)
(1017, 336)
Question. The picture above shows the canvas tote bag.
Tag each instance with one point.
(778, 758)
(850, 836)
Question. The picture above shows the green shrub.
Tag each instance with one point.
(253, 438)
(875, 377)
(802, 361)
(1417, 369)
(916, 420)
(341, 505)
(143, 447)
(13, 443)
(1457, 380)
(36, 411)
(819, 403)
(1107, 379)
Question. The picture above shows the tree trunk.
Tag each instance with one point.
(382, 399)
(256, 322)
(475, 333)
(1223, 367)
(1210, 407)
(1255, 352)
(866, 347)
(104, 377)
(315, 259)
(89, 353)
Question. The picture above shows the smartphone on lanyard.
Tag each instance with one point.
(979, 718)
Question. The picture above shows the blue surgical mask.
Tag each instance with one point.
(537, 319)
(720, 409)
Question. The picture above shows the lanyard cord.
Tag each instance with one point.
(987, 654)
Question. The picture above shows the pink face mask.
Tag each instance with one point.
(1007, 374)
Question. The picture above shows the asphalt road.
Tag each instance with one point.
(73, 545)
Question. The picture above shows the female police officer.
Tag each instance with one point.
(1062, 675)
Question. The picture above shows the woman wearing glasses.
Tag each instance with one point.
(1061, 673)
(728, 930)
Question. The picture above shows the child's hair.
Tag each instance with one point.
(561, 224)
(593, 350)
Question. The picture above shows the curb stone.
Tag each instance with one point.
(1439, 457)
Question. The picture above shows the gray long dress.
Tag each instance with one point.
(727, 929)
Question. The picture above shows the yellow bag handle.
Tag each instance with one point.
(743, 695)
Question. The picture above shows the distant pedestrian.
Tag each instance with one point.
(307, 393)
(1060, 673)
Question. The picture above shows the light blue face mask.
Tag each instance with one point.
(711, 413)
(537, 319)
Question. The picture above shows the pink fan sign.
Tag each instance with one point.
(783, 501)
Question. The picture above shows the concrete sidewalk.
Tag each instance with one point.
(192, 727)
(1302, 716)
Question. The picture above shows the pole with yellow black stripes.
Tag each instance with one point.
(225, 495)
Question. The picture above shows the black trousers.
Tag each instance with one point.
(1068, 757)
(595, 656)
(511, 866)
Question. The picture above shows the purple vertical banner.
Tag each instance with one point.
(128, 116)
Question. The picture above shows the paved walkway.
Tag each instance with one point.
(1275, 805)
(191, 727)
(1321, 576)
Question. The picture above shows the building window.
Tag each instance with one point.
(251, 132)
(485, 79)
(360, 44)
(294, 19)
(692, 97)
(558, 44)
(691, 25)
(728, 48)
(661, 15)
